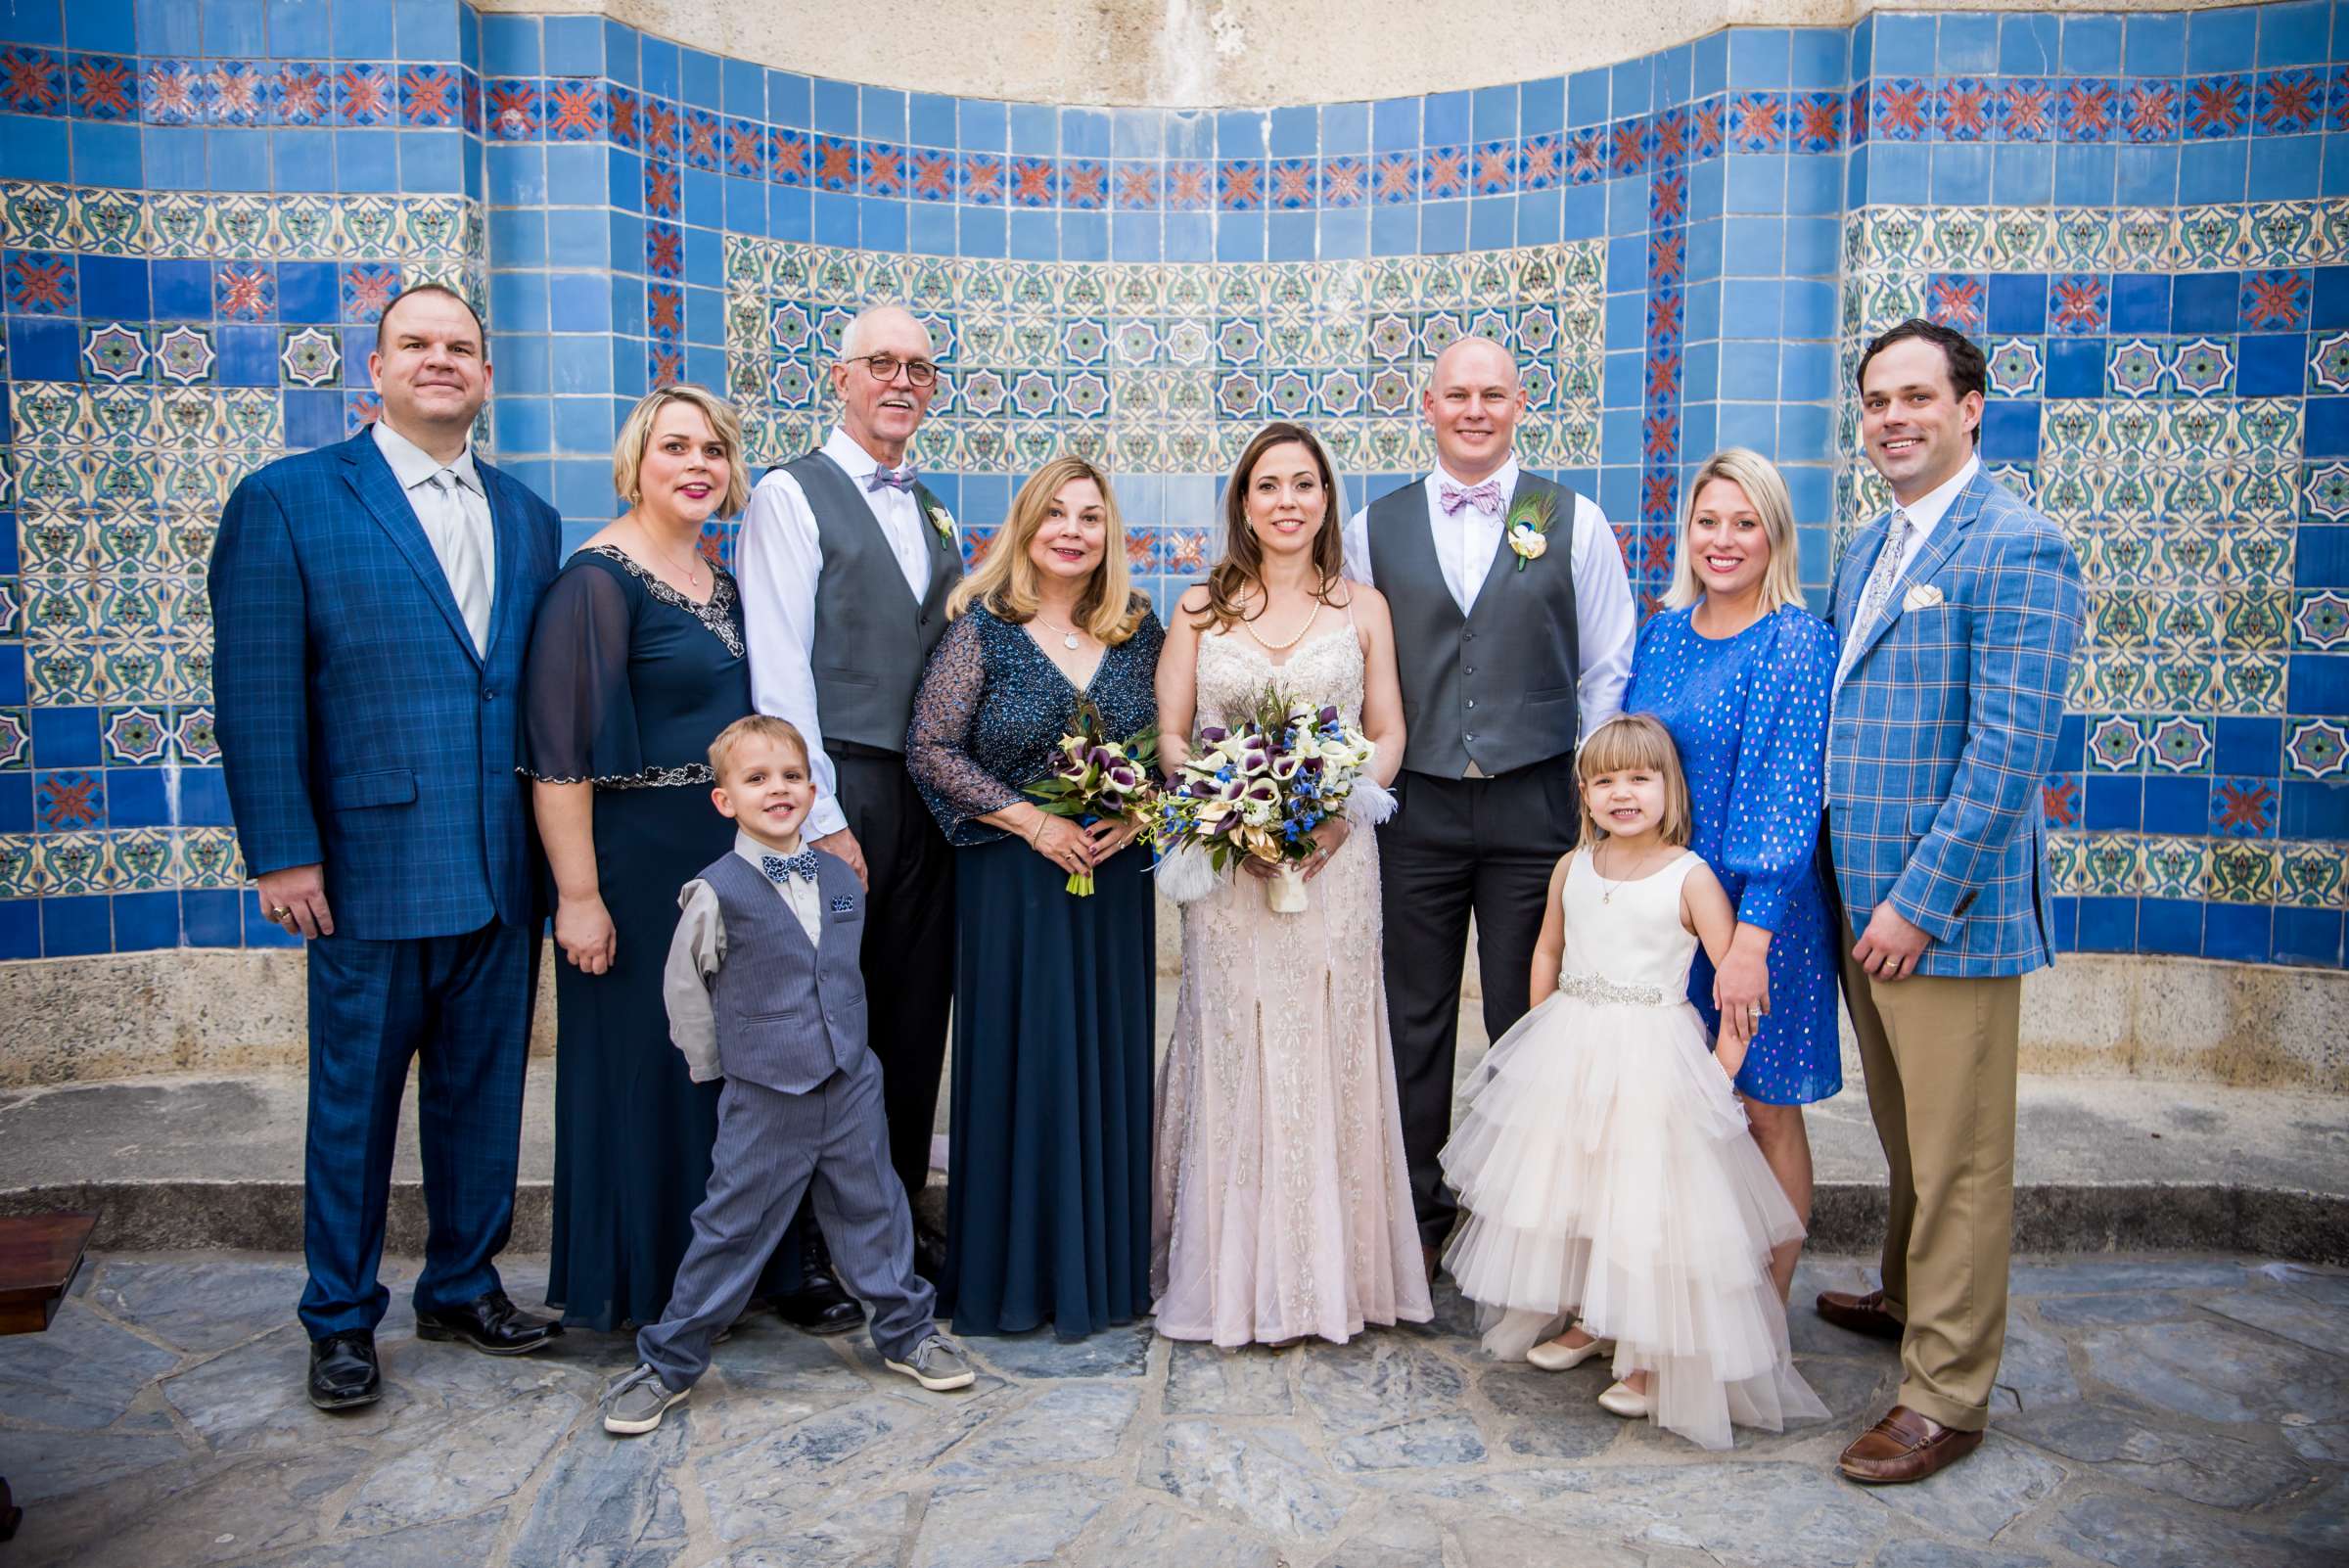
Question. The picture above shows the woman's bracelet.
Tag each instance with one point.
(1037, 837)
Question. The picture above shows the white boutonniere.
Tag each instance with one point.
(1528, 528)
(943, 520)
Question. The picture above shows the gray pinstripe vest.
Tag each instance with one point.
(789, 1015)
(871, 637)
(1497, 686)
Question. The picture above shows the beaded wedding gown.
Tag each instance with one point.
(1281, 1206)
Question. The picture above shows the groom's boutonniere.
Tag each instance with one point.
(943, 520)
(1527, 528)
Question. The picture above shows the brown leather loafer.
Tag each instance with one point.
(1861, 1314)
(1905, 1447)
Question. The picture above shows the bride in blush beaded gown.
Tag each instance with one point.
(1281, 1206)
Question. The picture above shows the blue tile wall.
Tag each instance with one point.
(2144, 220)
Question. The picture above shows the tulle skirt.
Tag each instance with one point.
(1607, 1175)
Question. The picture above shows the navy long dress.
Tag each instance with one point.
(628, 683)
(1749, 715)
(1048, 1158)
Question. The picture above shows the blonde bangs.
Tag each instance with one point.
(1633, 743)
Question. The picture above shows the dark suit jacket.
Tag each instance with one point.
(358, 725)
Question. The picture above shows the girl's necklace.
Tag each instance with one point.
(1607, 888)
(1067, 638)
(1284, 647)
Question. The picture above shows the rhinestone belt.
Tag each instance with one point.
(1592, 989)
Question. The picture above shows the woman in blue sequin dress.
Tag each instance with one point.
(1048, 1153)
(1741, 674)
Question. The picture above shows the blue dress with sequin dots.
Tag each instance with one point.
(1749, 715)
(1048, 1156)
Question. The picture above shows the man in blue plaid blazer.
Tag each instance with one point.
(1956, 615)
(371, 603)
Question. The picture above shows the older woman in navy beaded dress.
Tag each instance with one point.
(1741, 673)
(1048, 1156)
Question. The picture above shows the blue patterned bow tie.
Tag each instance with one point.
(779, 866)
(895, 479)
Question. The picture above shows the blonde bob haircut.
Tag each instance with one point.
(1765, 492)
(1631, 743)
(636, 434)
(1004, 585)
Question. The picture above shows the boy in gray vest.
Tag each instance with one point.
(763, 991)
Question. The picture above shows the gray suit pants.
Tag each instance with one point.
(831, 1144)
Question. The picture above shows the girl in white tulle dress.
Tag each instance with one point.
(1603, 1165)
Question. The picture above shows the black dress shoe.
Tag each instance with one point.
(819, 1306)
(343, 1374)
(491, 1324)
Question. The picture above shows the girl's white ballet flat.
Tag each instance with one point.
(1622, 1400)
(1551, 1356)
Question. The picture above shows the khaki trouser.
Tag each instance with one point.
(1940, 1058)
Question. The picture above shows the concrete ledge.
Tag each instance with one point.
(2092, 1016)
(1848, 1216)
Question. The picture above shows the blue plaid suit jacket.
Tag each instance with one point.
(1945, 728)
(358, 725)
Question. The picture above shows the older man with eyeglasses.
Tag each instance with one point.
(845, 563)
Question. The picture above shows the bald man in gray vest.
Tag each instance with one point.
(847, 559)
(1507, 652)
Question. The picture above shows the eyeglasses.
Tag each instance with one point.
(885, 368)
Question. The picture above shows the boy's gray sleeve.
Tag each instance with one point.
(694, 956)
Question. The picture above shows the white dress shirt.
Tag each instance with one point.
(779, 556)
(454, 510)
(1607, 625)
(699, 949)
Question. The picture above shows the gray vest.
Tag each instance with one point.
(789, 1015)
(871, 637)
(1497, 686)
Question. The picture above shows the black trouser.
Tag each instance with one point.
(909, 957)
(1456, 846)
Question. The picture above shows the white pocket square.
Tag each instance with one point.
(1920, 596)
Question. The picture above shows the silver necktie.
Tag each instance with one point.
(1880, 579)
(460, 551)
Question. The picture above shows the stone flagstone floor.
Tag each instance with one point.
(2174, 1409)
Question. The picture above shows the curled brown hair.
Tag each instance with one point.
(1241, 570)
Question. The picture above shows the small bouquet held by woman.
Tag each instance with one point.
(1259, 790)
(1096, 779)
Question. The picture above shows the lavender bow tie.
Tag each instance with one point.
(779, 866)
(895, 479)
(1484, 497)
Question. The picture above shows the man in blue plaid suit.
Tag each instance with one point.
(1955, 615)
(371, 603)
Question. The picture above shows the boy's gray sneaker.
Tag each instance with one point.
(935, 1364)
(635, 1405)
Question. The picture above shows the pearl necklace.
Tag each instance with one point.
(1284, 647)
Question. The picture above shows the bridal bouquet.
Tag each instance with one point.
(1259, 789)
(1096, 779)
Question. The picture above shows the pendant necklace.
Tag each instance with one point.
(1067, 638)
(1608, 890)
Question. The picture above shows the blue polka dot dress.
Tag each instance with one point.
(1749, 714)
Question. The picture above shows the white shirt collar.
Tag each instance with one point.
(753, 851)
(842, 448)
(1928, 509)
(1504, 476)
(412, 465)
